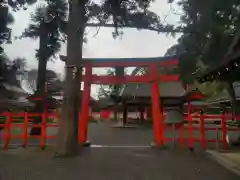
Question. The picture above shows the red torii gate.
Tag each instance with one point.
(152, 77)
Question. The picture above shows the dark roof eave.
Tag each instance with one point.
(150, 59)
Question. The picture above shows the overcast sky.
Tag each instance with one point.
(134, 43)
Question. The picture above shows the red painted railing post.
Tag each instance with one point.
(7, 135)
(157, 114)
(202, 130)
(25, 129)
(190, 136)
(224, 130)
(84, 115)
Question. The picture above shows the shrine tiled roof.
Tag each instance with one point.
(166, 89)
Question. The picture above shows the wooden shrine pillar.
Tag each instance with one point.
(157, 113)
(115, 114)
(84, 114)
(149, 113)
(125, 114)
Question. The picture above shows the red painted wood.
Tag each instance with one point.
(202, 131)
(25, 129)
(169, 62)
(190, 128)
(84, 115)
(105, 114)
(157, 114)
(7, 134)
(130, 79)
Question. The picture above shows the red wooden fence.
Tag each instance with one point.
(202, 120)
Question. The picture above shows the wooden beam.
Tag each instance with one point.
(128, 62)
(130, 79)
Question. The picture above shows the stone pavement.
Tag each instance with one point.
(230, 160)
(117, 161)
(102, 132)
(112, 164)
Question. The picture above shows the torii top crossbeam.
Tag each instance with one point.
(90, 63)
(128, 62)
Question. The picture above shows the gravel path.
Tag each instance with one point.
(112, 163)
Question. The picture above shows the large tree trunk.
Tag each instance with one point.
(67, 143)
(41, 78)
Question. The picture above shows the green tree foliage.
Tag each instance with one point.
(51, 76)
(6, 18)
(10, 82)
(106, 90)
(209, 89)
(19, 4)
(10, 70)
(208, 29)
(54, 85)
(48, 23)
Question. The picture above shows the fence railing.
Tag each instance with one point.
(193, 123)
(25, 123)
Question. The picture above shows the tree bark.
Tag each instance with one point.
(41, 78)
(67, 142)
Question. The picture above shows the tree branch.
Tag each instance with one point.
(159, 30)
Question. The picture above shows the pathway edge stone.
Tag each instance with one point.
(225, 162)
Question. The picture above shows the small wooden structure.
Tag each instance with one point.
(13, 98)
(137, 98)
